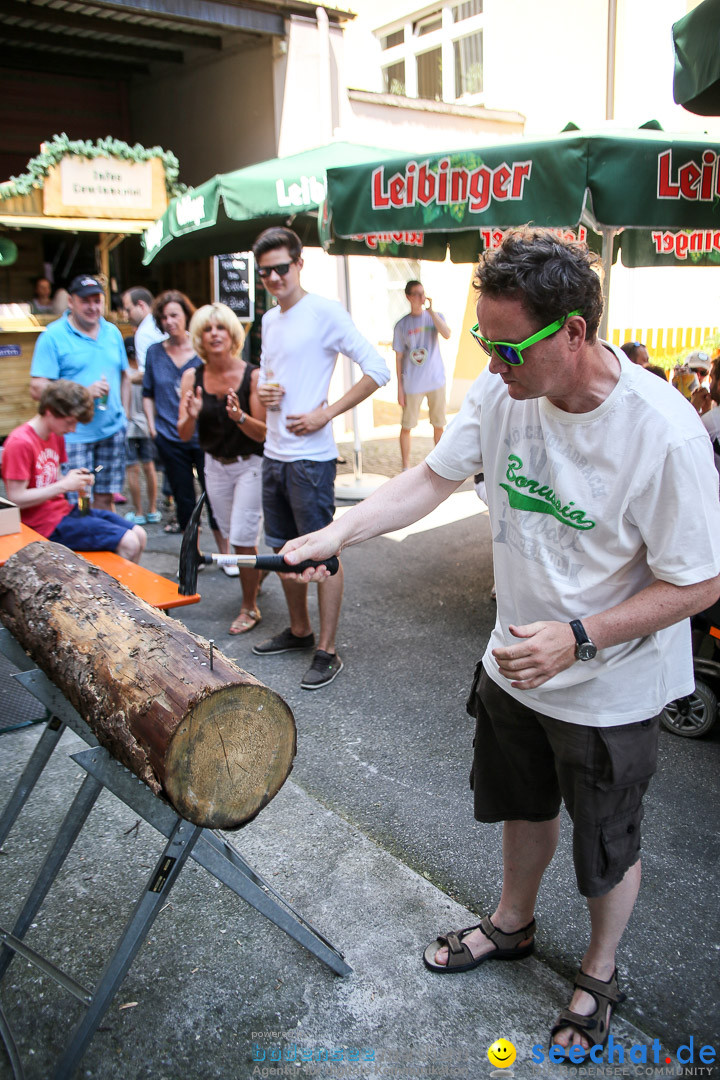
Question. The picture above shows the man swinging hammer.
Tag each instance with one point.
(603, 504)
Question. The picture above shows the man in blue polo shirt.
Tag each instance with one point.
(83, 347)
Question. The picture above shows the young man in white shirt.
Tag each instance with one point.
(602, 497)
(301, 340)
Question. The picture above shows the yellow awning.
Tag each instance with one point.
(79, 224)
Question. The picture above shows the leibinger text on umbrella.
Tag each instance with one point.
(190, 209)
(679, 244)
(698, 183)
(449, 184)
(492, 238)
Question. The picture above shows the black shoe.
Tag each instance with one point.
(324, 668)
(284, 642)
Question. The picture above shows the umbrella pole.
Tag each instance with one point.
(608, 236)
(357, 487)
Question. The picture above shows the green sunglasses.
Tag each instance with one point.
(513, 354)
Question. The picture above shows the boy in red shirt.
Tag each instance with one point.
(31, 459)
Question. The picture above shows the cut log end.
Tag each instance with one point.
(229, 756)
(215, 741)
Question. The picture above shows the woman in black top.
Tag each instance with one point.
(220, 401)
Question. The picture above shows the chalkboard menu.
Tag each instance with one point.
(234, 277)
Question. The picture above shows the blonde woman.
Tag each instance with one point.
(219, 402)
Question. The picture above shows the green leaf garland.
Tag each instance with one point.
(60, 146)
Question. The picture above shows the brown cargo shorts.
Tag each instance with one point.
(526, 764)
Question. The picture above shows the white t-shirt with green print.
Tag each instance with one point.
(586, 510)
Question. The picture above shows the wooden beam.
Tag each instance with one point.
(127, 28)
(65, 44)
(35, 60)
(206, 12)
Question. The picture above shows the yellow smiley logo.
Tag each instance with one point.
(502, 1053)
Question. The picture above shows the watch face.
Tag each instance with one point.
(586, 651)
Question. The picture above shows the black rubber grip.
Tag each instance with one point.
(277, 562)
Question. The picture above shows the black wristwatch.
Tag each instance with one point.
(585, 649)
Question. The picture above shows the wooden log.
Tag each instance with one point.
(217, 744)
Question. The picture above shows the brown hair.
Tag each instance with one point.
(64, 398)
(172, 296)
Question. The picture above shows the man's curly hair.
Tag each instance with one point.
(552, 277)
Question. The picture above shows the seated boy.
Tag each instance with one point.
(31, 460)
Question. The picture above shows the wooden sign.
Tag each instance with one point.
(105, 188)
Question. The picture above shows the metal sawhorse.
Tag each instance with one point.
(184, 840)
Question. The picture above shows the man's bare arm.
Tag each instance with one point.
(404, 499)
(306, 423)
(37, 385)
(438, 321)
(125, 391)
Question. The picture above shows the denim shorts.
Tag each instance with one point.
(100, 530)
(139, 451)
(525, 764)
(298, 498)
(110, 453)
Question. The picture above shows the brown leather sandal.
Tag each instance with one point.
(596, 1026)
(507, 947)
(246, 620)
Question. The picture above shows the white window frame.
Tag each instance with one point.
(415, 45)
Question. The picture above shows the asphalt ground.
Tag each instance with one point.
(373, 840)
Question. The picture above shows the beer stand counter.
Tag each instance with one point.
(110, 196)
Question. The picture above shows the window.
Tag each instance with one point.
(466, 10)
(469, 65)
(429, 24)
(429, 75)
(394, 78)
(390, 40)
(436, 55)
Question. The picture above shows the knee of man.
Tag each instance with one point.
(133, 543)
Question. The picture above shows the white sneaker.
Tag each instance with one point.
(231, 571)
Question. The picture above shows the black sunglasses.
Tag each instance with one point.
(281, 269)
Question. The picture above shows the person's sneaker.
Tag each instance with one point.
(286, 641)
(230, 570)
(135, 519)
(324, 668)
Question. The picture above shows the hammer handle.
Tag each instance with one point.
(277, 562)
(268, 562)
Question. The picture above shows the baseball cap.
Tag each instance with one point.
(83, 285)
(698, 361)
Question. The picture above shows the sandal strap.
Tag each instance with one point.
(503, 940)
(597, 1024)
(586, 1025)
(608, 992)
(458, 952)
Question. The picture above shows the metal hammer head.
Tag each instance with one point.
(190, 557)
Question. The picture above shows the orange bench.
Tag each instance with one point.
(154, 589)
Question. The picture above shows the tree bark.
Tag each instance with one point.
(217, 744)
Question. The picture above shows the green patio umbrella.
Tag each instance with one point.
(610, 180)
(228, 211)
(696, 43)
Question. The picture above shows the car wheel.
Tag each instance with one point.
(691, 716)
